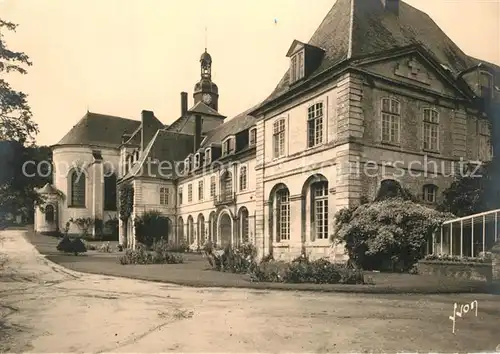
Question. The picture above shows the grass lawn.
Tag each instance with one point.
(195, 272)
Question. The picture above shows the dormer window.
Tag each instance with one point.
(297, 66)
(208, 156)
(197, 160)
(253, 137)
(187, 164)
(486, 84)
(228, 146)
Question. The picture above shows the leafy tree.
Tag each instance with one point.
(151, 227)
(473, 191)
(387, 235)
(15, 112)
(22, 169)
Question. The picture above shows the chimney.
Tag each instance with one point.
(197, 132)
(184, 103)
(391, 6)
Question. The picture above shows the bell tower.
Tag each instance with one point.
(205, 90)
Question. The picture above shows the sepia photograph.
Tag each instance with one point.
(275, 176)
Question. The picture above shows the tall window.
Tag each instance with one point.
(212, 186)
(164, 195)
(243, 178)
(49, 213)
(110, 192)
(391, 114)
(208, 156)
(180, 195)
(486, 84)
(297, 67)
(431, 129)
(253, 137)
(244, 224)
(200, 190)
(77, 189)
(315, 125)
(227, 185)
(279, 138)
(283, 219)
(485, 146)
(319, 193)
(430, 193)
(190, 193)
(228, 147)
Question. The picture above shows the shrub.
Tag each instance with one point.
(142, 256)
(238, 260)
(112, 226)
(105, 248)
(301, 270)
(85, 225)
(388, 235)
(89, 246)
(74, 246)
(151, 227)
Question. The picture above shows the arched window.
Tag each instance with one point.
(201, 229)
(49, 213)
(213, 227)
(319, 210)
(190, 230)
(429, 193)
(283, 217)
(77, 189)
(110, 192)
(389, 188)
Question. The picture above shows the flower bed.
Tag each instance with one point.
(159, 254)
(477, 268)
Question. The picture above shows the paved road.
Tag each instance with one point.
(46, 308)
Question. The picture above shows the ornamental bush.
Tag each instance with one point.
(142, 256)
(302, 270)
(391, 234)
(74, 246)
(240, 259)
(151, 227)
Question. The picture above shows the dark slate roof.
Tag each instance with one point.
(99, 129)
(164, 146)
(232, 126)
(356, 28)
(202, 108)
(495, 67)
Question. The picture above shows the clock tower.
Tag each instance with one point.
(205, 90)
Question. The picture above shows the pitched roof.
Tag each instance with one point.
(99, 129)
(202, 108)
(356, 28)
(165, 146)
(230, 127)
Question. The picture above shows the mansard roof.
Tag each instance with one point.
(232, 126)
(99, 129)
(357, 28)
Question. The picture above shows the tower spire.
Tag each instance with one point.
(206, 38)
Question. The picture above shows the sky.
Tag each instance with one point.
(120, 57)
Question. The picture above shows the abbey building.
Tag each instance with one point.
(379, 86)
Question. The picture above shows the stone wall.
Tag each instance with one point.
(471, 271)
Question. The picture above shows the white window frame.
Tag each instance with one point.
(164, 195)
(297, 66)
(429, 190)
(390, 117)
(208, 156)
(283, 215)
(243, 178)
(190, 192)
(201, 190)
(315, 124)
(279, 138)
(430, 126)
(197, 160)
(231, 142)
(319, 203)
(252, 133)
(213, 186)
